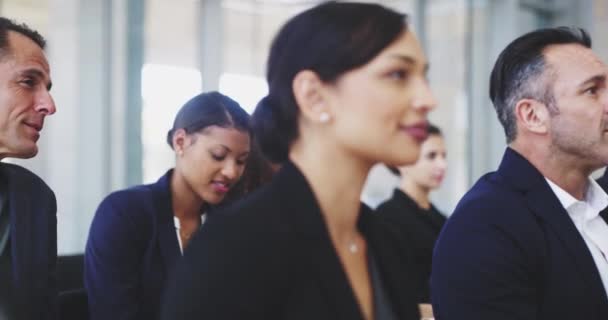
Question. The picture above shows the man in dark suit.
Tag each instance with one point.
(527, 241)
(28, 222)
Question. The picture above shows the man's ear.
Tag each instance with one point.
(308, 92)
(532, 115)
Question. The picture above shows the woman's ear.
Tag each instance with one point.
(179, 141)
(308, 92)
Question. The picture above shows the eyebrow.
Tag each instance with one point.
(595, 79)
(410, 60)
(225, 147)
(230, 150)
(35, 73)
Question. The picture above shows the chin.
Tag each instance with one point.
(402, 160)
(24, 153)
(213, 199)
(434, 185)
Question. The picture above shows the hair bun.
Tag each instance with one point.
(267, 125)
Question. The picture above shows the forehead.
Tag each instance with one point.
(573, 62)
(433, 141)
(406, 45)
(226, 136)
(25, 53)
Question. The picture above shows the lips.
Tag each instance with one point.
(438, 178)
(35, 125)
(221, 186)
(418, 131)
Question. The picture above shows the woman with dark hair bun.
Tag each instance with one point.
(410, 209)
(347, 90)
(139, 233)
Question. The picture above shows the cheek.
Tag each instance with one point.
(423, 170)
(241, 172)
(199, 167)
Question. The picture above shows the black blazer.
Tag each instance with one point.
(132, 246)
(419, 228)
(269, 256)
(510, 251)
(33, 239)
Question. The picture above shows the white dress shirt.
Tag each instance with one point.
(178, 226)
(586, 218)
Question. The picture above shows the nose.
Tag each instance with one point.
(45, 103)
(441, 163)
(424, 100)
(230, 170)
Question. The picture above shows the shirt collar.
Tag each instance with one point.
(595, 197)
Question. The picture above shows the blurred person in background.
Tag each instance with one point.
(28, 209)
(347, 90)
(139, 233)
(410, 209)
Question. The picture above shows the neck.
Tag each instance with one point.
(186, 203)
(566, 171)
(419, 194)
(336, 188)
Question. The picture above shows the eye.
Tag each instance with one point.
(431, 155)
(398, 75)
(592, 90)
(28, 82)
(217, 157)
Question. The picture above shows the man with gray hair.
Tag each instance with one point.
(28, 221)
(528, 241)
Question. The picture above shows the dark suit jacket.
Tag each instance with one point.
(132, 246)
(269, 256)
(33, 240)
(511, 251)
(420, 229)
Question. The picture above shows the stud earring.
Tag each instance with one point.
(324, 117)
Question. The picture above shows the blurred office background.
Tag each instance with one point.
(121, 69)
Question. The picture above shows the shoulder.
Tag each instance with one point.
(259, 212)
(387, 207)
(492, 213)
(489, 199)
(254, 227)
(25, 177)
(135, 206)
(399, 211)
(133, 196)
(397, 203)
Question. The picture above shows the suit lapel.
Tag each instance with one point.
(604, 184)
(546, 206)
(386, 251)
(604, 214)
(314, 241)
(167, 238)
